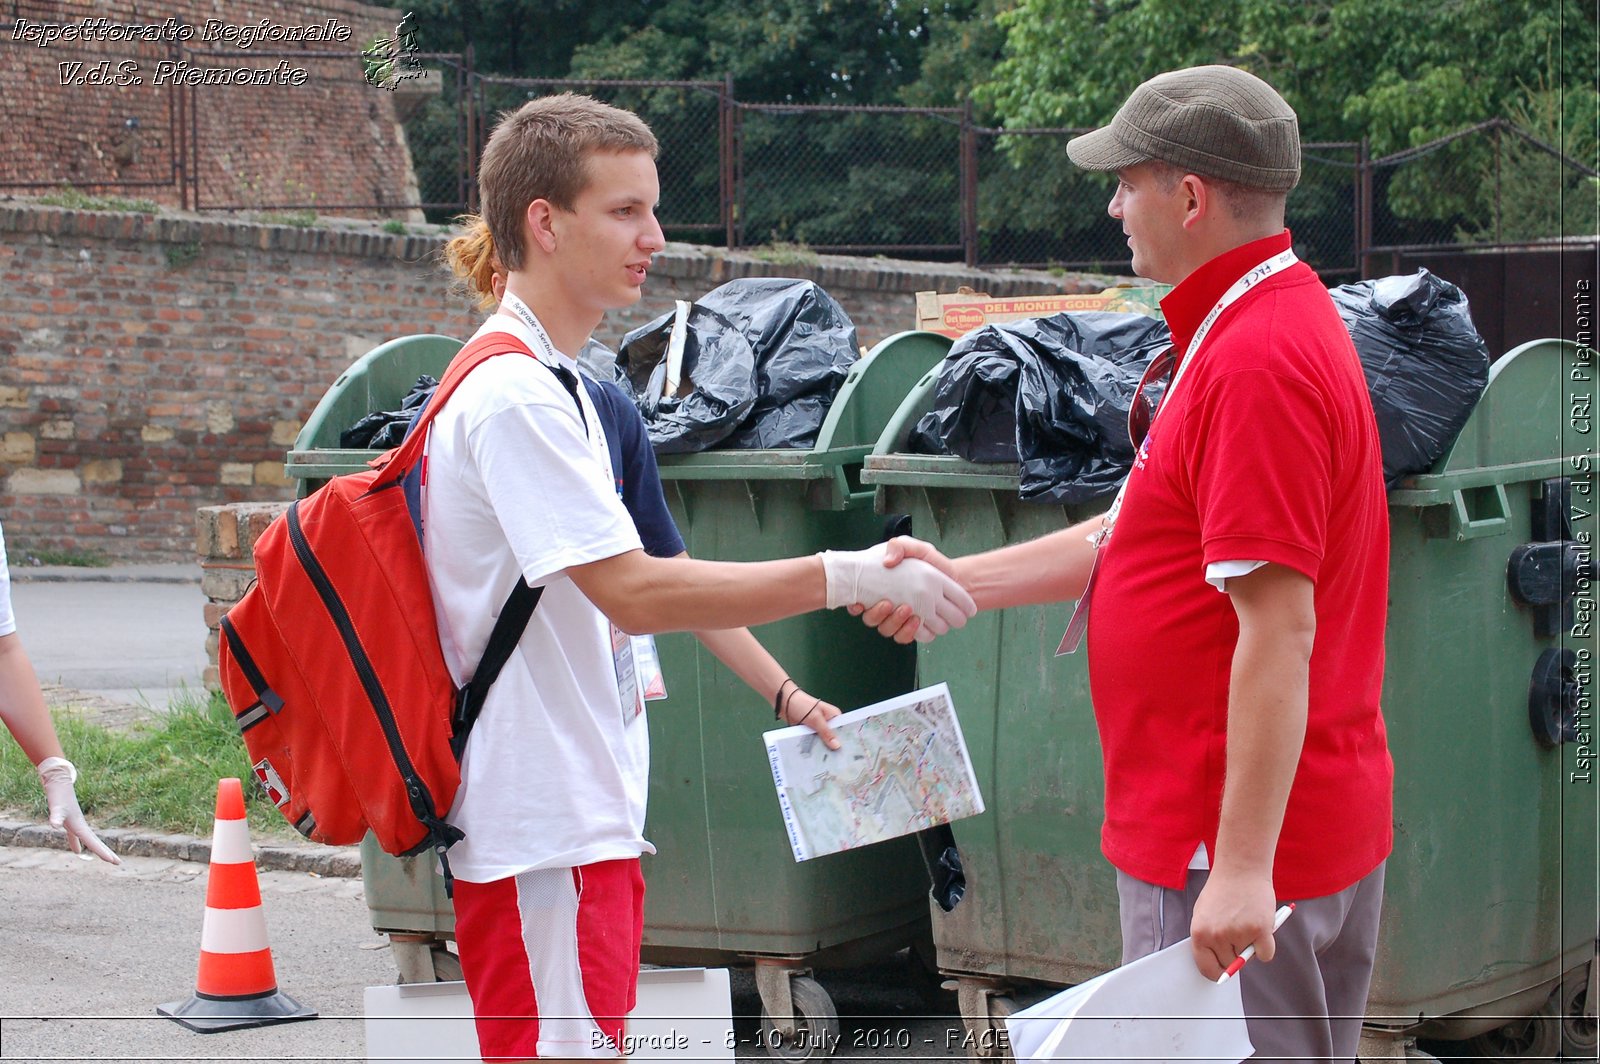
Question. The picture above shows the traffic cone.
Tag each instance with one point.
(236, 986)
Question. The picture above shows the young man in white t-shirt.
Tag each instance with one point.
(549, 894)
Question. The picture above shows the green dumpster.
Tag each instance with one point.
(724, 887)
(1490, 900)
(378, 380)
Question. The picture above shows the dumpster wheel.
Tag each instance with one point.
(984, 1006)
(1578, 1037)
(1536, 1037)
(816, 1024)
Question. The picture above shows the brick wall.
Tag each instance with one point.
(328, 140)
(153, 364)
(225, 540)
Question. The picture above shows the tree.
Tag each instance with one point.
(1398, 73)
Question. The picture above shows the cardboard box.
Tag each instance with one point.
(955, 315)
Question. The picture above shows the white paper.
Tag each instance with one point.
(1157, 1009)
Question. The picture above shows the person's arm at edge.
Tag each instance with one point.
(741, 651)
(1268, 693)
(27, 718)
(22, 705)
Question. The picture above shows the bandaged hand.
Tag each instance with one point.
(57, 774)
(936, 600)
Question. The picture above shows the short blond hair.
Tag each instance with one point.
(541, 151)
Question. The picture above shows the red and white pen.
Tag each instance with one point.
(1250, 951)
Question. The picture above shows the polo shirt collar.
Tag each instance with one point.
(1187, 305)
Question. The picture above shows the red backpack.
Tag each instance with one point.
(331, 661)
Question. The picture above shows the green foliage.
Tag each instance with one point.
(1396, 71)
(1528, 193)
(394, 227)
(162, 777)
(77, 200)
(785, 254)
(298, 219)
(182, 256)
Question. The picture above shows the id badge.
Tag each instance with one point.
(627, 676)
(653, 684)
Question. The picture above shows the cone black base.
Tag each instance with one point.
(210, 1015)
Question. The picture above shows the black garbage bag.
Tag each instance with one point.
(717, 385)
(598, 361)
(1425, 363)
(804, 344)
(974, 411)
(384, 429)
(1059, 386)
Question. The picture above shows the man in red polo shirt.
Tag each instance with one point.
(1236, 620)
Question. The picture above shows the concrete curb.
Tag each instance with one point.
(344, 861)
(153, 573)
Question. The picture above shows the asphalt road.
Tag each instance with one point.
(139, 641)
(89, 951)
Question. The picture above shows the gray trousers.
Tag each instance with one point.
(1308, 1003)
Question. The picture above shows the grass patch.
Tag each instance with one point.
(161, 777)
(182, 256)
(83, 559)
(783, 253)
(297, 219)
(395, 226)
(74, 199)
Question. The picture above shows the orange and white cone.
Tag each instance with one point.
(236, 986)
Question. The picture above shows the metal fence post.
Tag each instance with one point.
(469, 101)
(736, 148)
(725, 171)
(1363, 194)
(177, 134)
(969, 185)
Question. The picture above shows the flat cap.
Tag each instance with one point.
(1216, 121)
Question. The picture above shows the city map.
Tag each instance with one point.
(902, 767)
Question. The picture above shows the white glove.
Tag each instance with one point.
(58, 775)
(859, 576)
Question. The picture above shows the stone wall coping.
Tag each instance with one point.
(366, 239)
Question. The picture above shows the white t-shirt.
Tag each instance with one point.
(553, 774)
(8, 621)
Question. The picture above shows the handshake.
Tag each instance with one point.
(904, 579)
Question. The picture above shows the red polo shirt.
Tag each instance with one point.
(1267, 449)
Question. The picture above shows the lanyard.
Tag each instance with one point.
(593, 429)
(1252, 277)
(520, 310)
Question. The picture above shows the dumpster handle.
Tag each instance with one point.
(1465, 525)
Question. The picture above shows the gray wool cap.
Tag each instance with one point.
(1217, 121)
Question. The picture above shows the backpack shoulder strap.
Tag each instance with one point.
(508, 628)
(469, 358)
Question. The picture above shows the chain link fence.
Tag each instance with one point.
(850, 179)
(1036, 209)
(916, 182)
(1494, 183)
(89, 115)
